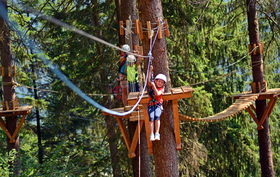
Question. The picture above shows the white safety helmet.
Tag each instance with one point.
(126, 47)
(162, 77)
(131, 58)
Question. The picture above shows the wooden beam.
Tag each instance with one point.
(3, 125)
(140, 32)
(176, 124)
(166, 97)
(267, 109)
(17, 129)
(136, 26)
(167, 34)
(121, 28)
(124, 132)
(149, 29)
(273, 104)
(135, 140)
(254, 108)
(147, 127)
(253, 116)
(14, 70)
(260, 87)
(159, 30)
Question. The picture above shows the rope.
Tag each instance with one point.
(222, 67)
(75, 30)
(139, 160)
(54, 68)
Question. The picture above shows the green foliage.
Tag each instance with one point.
(206, 50)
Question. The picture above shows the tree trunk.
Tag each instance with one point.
(165, 154)
(40, 151)
(264, 134)
(9, 90)
(110, 121)
(128, 8)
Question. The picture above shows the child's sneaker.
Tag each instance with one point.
(152, 137)
(157, 136)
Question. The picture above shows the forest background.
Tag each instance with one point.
(206, 48)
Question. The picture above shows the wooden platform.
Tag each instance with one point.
(24, 111)
(132, 116)
(175, 94)
(270, 93)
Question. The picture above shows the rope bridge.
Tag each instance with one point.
(241, 104)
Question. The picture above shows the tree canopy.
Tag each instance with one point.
(207, 49)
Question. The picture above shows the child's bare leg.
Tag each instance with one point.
(124, 96)
(157, 126)
(151, 123)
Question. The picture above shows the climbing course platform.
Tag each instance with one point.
(17, 111)
(173, 95)
(271, 95)
(245, 101)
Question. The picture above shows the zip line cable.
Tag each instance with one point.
(78, 31)
(92, 94)
(58, 73)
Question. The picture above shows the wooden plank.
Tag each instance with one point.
(135, 139)
(167, 34)
(159, 30)
(149, 29)
(136, 26)
(135, 118)
(135, 113)
(15, 72)
(259, 86)
(129, 107)
(121, 28)
(176, 96)
(176, 124)
(147, 127)
(23, 108)
(141, 36)
(177, 90)
(187, 89)
(124, 132)
(12, 140)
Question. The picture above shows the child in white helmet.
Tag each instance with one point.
(123, 73)
(132, 73)
(155, 103)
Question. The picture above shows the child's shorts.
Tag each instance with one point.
(154, 112)
(123, 81)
